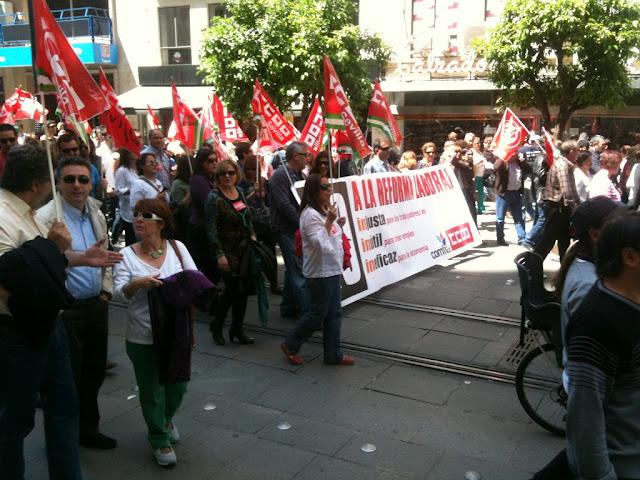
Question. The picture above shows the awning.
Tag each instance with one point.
(160, 97)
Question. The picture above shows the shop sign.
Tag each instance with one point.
(421, 67)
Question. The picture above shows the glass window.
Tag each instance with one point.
(217, 10)
(175, 35)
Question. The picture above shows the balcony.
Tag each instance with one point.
(88, 30)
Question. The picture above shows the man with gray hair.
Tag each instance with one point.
(156, 147)
(598, 144)
(285, 220)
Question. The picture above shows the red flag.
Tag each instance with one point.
(549, 147)
(265, 143)
(313, 132)
(228, 127)
(152, 119)
(6, 116)
(60, 69)
(24, 105)
(280, 129)
(209, 133)
(186, 121)
(509, 136)
(380, 115)
(116, 122)
(338, 112)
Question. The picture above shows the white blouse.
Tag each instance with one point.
(132, 267)
(125, 178)
(322, 252)
(583, 182)
(142, 189)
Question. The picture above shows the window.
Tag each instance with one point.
(175, 35)
(217, 10)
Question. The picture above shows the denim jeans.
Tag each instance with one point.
(511, 201)
(538, 227)
(324, 310)
(26, 370)
(293, 294)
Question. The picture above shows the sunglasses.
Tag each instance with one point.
(8, 140)
(147, 216)
(228, 173)
(70, 150)
(325, 186)
(70, 179)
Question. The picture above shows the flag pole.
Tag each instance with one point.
(257, 120)
(32, 32)
(333, 201)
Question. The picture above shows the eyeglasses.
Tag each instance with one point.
(70, 179)
(70, 150)
(8, 140)
(228, 173)
(147, 216)
(303, 154)
(325, 186)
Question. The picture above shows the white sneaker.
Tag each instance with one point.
(168, 459)
(174, 434)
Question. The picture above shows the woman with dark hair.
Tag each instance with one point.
(229, 229)
(322, 256)
(125, 177)
(202, 182)
(147, 186)
(320, 164)
(463, 169)
(181, 197)
(582, 174)
(145, 263)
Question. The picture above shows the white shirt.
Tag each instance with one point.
(602, 186)
(142, 189)
(132, 267)
(125, 178)
(375, 165)
(322, 253)
(633, 183)
(583, 183)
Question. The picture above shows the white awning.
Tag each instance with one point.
(160, 97)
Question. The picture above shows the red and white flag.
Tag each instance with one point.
(313, 133)
(549, 147)
(264, 143)
(209, 131)
(337, 111)
(380, 115)
(5, 115)
(60, 69)
(280, 129)
(152, 120)
(509, 136)
(23, 105)
(187, 124)
(116, 122)
(228, 127)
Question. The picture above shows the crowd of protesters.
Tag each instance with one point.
(164, 231)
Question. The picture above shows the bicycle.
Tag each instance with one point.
(539, 375)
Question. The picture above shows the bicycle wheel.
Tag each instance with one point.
(540, 390)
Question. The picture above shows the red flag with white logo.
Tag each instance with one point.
(116, 122)
(280, 129)
(313, 133)
(209, 132)
(60, 69)
(23, 105)
(337, 111)
(380, 115)
(549, 147)
(509, 136)
(152, 120)
(187, 124)
(228, 127)
(6, 116)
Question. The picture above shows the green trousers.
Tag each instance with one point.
(158, 402)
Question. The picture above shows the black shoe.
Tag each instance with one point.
(241, 337)
(99, 441)
(502, 243)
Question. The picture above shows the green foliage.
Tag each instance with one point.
(281, 43)
(534, 46)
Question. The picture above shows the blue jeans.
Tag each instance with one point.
(26, 370)
(511, 201)
(324, 310)
(293, 294)
(538, 227)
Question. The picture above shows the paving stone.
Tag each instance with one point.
(323, 467)
(510, 293)
(231, 414)
(536, 448)
(472, 434)
(307, 434)
(384, 334)
(422, 320)
(267, 461)
(360, 374)
(454, 466)
(471, 328)
(383, 414)
(487, 306)
(269, 354)
(448, 346)
(395, 456)
(416, 383)
(350, 328)
(444, 299)
(363, 311)
(495, 399)
(491, 355)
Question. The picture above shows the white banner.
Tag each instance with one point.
(400, 224)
